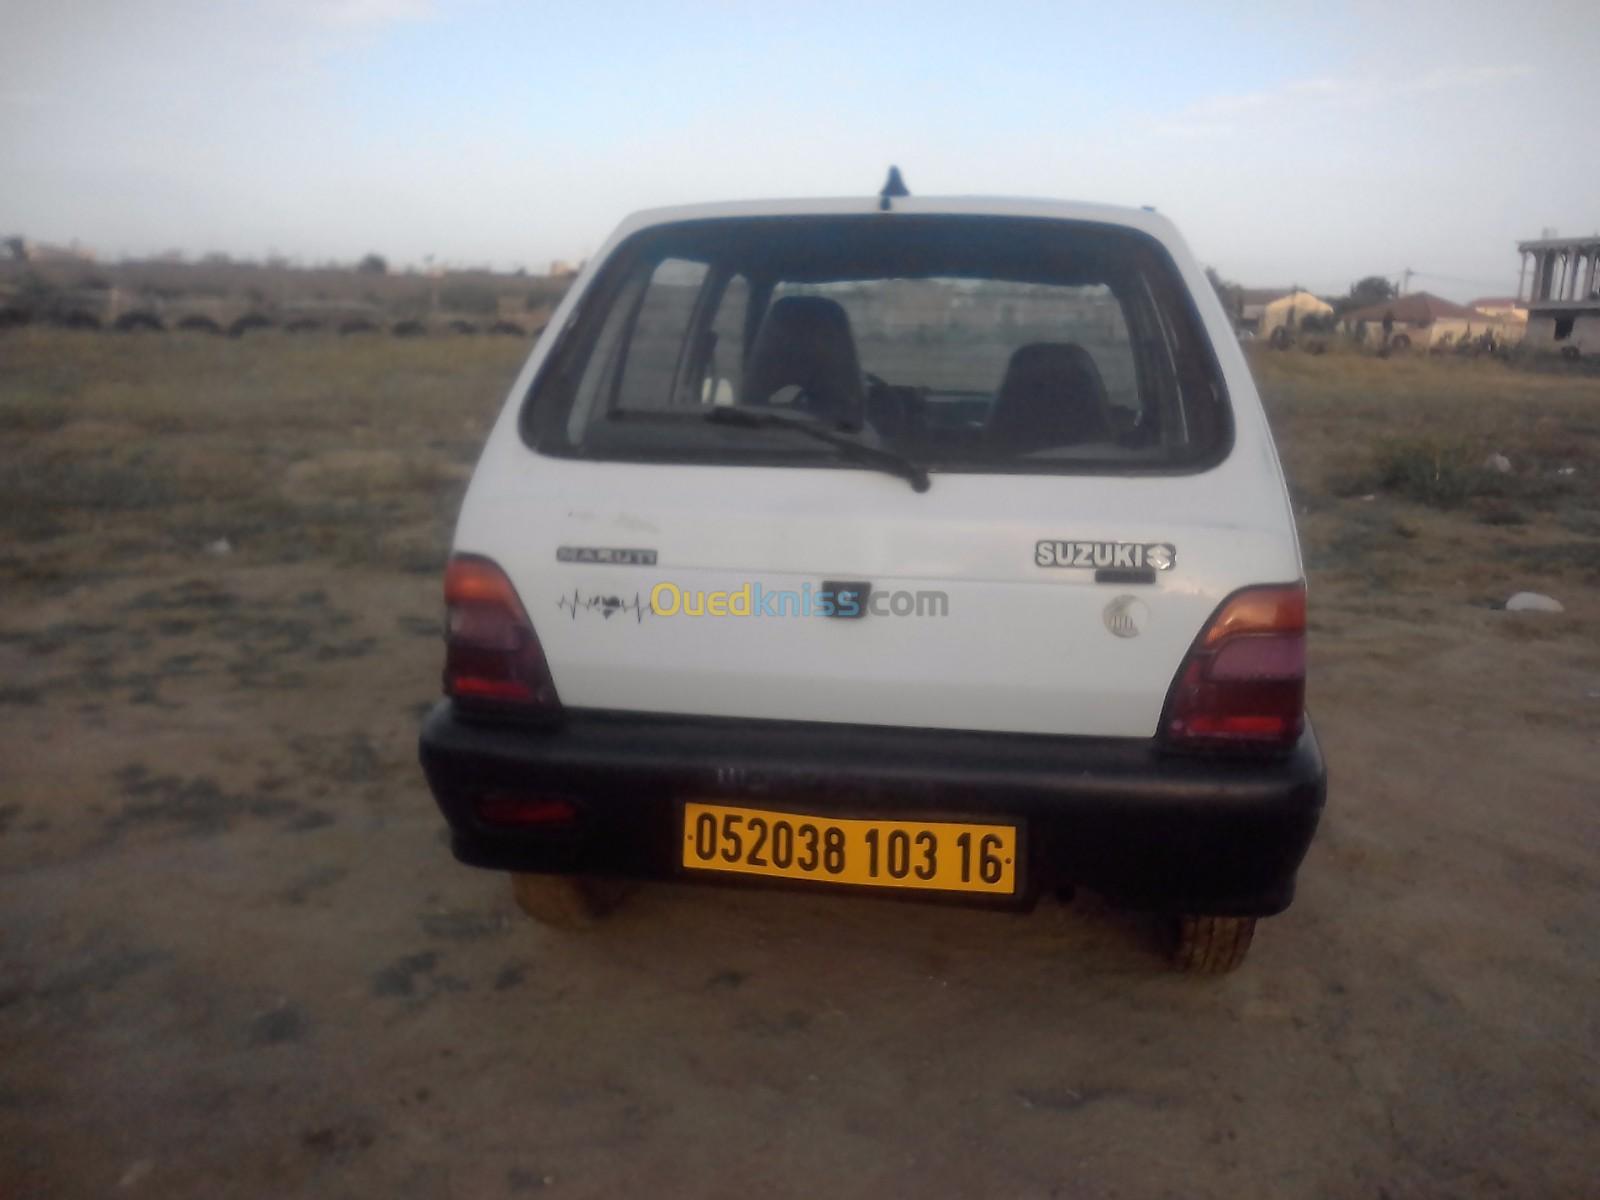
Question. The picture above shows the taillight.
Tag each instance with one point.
(528, 810)
(1243, 684)
(492, 655)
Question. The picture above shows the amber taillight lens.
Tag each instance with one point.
(492, 655)
(1242, 686)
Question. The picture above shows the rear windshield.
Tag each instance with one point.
(959, 343)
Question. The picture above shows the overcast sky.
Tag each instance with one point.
(1309, 143)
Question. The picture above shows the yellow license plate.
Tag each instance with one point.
(941, 856)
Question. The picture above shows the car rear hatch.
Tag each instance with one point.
(1051, 580)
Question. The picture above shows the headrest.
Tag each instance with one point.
(1052, 395)
(805, 343)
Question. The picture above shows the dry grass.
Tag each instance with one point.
(1386, 461)
(290, 448)
(1337, 416)
(193, 383)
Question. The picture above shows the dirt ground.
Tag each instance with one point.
(237, 959)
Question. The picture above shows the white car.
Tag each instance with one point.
(892, 543)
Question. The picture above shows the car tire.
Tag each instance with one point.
(569, 902)
(1212, 945)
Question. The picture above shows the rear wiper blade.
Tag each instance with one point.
(873, 456)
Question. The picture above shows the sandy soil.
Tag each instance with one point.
(238, 960)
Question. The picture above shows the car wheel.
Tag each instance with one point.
(1212, 945)
(565, 901)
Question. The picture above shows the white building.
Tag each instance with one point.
(1562, 292)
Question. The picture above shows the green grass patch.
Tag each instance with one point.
(1441, 474)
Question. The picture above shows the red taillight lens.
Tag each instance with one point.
(1243, 684)
(528, 811)
(491, 652)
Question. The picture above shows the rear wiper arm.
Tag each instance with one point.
(874, 456)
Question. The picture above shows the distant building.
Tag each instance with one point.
(1252, 303)
(1507, 308)
(1562, 292)
(20, 249)
(1261, 310)
(1291, 310)
(1423, 320)
(562, 270)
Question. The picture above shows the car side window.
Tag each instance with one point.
(652, 354)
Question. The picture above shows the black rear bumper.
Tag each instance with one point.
(1148, 830)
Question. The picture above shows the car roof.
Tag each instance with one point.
(1146, 220)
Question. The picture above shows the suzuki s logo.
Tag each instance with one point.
(1101, 556)
(1126, 616)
